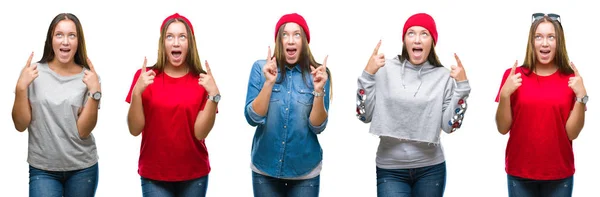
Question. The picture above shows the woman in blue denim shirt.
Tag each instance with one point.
(287, 101)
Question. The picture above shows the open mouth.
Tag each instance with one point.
(545, 51)
(176, 53)
(291, 51)
(417, 51)
(65, 50)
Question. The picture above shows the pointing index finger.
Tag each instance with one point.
(574, 69)
(207, 67)
(29, 60)
(458, 62)
(144, 65)
(89, 62)
(376, 50)
(512, 71)
(269, 54)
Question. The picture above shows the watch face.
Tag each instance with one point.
(217, 98)
(585, 99)
(97, 95)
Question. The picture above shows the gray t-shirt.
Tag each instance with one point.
(54, 142)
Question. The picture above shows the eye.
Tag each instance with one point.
(284, 35)
(183, 37)
(169, 37)
(537, 37)
(59, 35)
(72, 36)
(411, 33)
(551, 37)
(297, 34)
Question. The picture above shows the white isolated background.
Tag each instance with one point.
(488, 36)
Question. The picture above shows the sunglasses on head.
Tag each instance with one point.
(538, 16)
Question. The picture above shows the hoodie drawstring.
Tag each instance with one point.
(418, 76)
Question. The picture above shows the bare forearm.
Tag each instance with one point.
(88, 118)
(504, 115)
(205, 120)
(318, 113)
(21, 112)
(135, 117)
(576, 121)
(261, 102)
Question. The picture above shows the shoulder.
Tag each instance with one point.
(259, 63)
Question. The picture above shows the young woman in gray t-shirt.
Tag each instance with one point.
(57, 101)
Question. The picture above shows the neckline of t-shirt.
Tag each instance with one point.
(175, 78)
(47, 66)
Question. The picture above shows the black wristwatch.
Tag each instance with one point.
(215, 98)
(96, 95)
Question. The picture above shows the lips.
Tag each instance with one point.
(545, 54)
(177, 55)
(291, 51)
(417, 51)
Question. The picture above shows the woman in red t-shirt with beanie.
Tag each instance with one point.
(173, 104)
(542, 104)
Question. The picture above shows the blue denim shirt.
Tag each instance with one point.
(285, 144)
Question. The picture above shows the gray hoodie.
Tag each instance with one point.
(410, 102)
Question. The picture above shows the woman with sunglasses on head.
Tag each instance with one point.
(542, 104)
(287, 101)
(173, 104)
(409, 100)
(57, 101)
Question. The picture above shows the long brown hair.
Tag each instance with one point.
(432, 57)
(561, 58)
(80, 57)
(305, 61)
(192, 59)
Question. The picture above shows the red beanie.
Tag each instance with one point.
(176, 15)
(423, 20)
(294, 18)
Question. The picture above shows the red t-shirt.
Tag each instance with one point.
(538, 146)
(169, 149)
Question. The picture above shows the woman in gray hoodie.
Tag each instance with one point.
(409, 100)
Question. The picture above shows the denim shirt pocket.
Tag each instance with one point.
(276, 93)
(305, 96)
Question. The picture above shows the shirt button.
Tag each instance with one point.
(280, 160)
(286, 109)
(289, 92)
(290, 77)
(284, 126)
(282, 142)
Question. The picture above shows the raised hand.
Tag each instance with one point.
(146, 78)
(513, 82)
(208, 81)
(270, 68)
(458, 72)
(376, 61)
(90, 78)
(576, 83)
(319, 76)
(28, 74)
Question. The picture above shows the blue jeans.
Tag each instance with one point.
(522, 187)
(274, 187)
(427, 181)
(82, 182)
(194, 187)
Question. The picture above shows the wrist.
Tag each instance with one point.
(370, 70)
(20, 88)
(268, 84)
